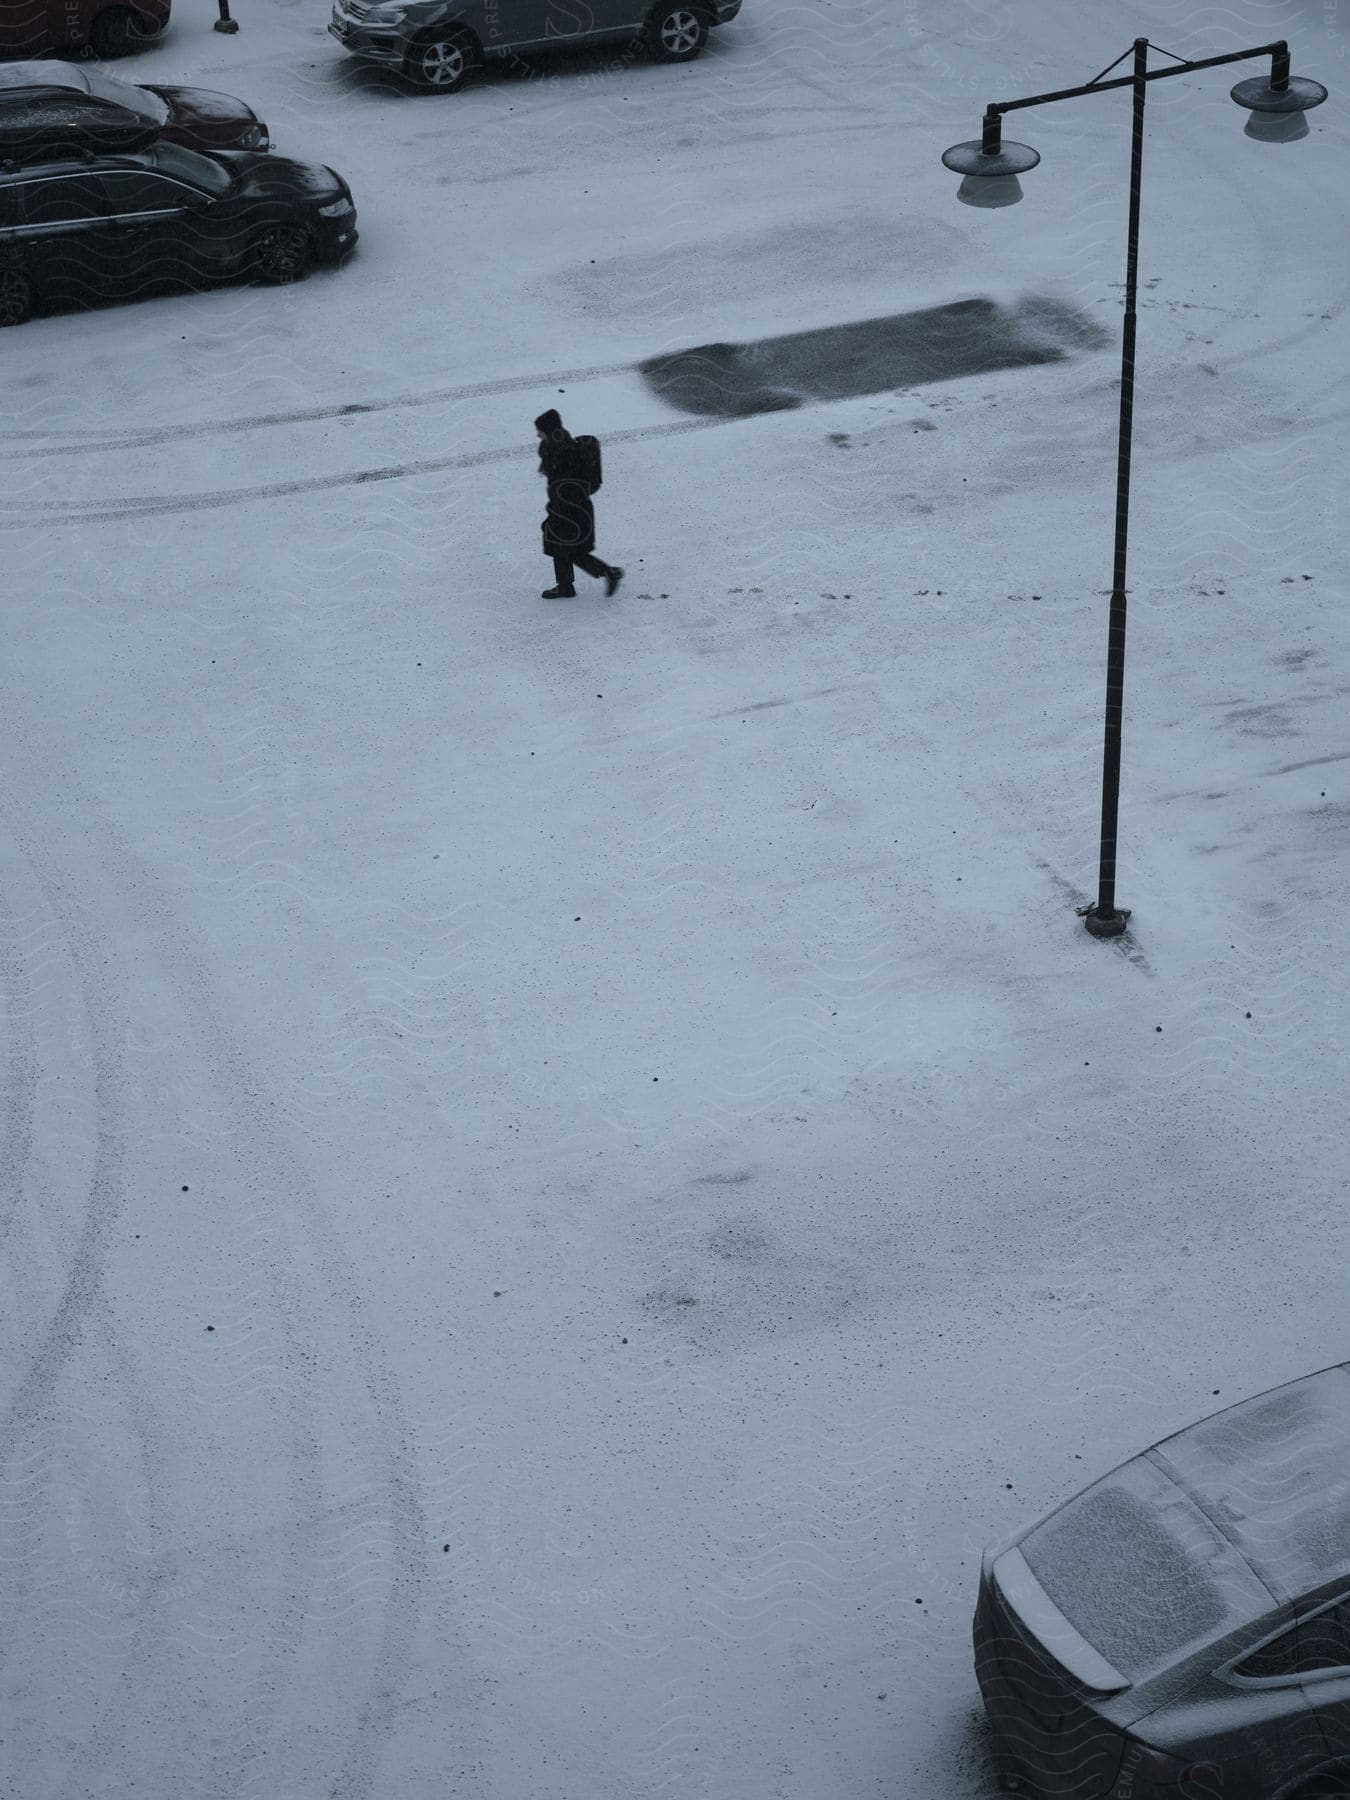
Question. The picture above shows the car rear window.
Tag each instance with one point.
(199, 171)
(1132, 1572)
(124, 93)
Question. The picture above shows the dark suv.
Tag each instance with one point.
(79, 228)
(438, 43)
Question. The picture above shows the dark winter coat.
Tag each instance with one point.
(569, 525)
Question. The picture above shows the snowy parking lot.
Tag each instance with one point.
(566, 1165)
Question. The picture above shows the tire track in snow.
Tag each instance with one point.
(23, 515)
(76, 1616)
(105, 1196)
(394, 1498)
(368, 1549)
(25, 1489)
(18, 1065)
(110, 1615)
(46, 443)
(31, 1428)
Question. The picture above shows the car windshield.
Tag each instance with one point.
(188, 165)
(123, 93)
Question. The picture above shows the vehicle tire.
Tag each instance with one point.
(676, 33)
(16, 297)
(280, 255)
(441, 62)
(1326, 1784)
(113, 32)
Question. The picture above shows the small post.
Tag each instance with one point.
(991, 137)
(225, 22)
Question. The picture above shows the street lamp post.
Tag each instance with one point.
(990, 169)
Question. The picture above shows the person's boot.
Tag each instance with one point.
(613, 577)
(559, 593)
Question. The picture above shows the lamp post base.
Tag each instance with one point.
(226, 25)
(1105, 924)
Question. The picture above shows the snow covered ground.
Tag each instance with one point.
(567, 1165)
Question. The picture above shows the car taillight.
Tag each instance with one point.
(1144, 1770)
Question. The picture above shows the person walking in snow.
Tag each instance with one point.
(571, 466)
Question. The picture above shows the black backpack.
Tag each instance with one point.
(588, 462)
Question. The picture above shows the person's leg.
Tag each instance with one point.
(566, 588)
(593, 566)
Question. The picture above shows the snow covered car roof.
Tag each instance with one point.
(38, 126)
(1208, 1530)
(1273, 1473)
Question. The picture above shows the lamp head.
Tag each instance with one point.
(1270, 101)
(989, 176)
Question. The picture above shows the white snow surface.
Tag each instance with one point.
(567, 1165)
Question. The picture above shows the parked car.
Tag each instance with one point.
(114, 109)
(1182, 1626)
(439, 43)
(84, 228)
(88, 27)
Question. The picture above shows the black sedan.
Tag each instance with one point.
(1182, 1627)
(82, 229)
(113, 111)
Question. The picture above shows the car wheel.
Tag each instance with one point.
(281, 255)
(112, 32)
(676, 33)
(16, 297)
(1326, 1784)
(440, 64)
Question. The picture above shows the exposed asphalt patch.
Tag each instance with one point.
(871, 356)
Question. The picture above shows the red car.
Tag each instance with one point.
(88, 27)
(71, 102)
